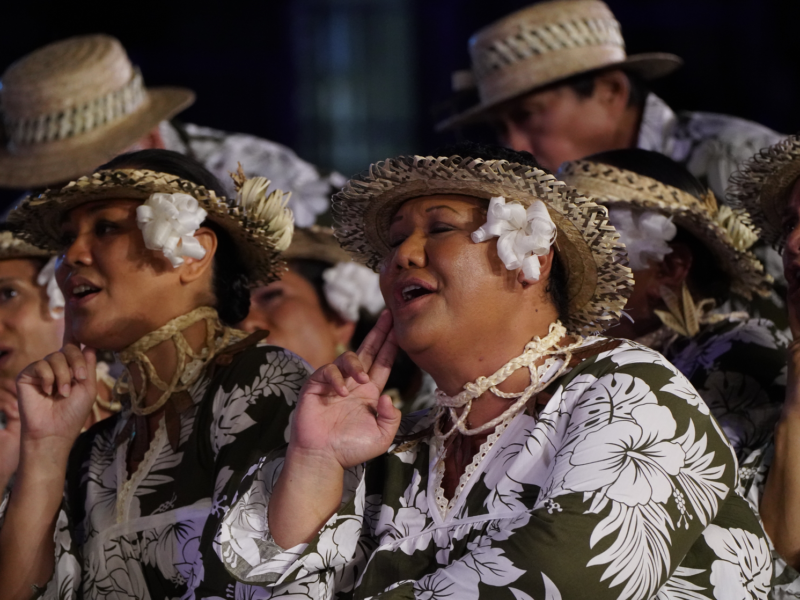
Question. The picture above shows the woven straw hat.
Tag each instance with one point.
(546, 43)
(315, 243)
(72, 106)
(598, 280)
(762, 187)
(12, 246)
(727, 234)
(39, 217)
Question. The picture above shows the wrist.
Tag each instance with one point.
(44, 455)
(315, 463)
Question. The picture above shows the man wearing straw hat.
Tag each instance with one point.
(75, 104)
(556, 79)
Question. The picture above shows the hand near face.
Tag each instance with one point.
(341, 412)
(56, 394)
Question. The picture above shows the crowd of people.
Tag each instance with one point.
(562, 366)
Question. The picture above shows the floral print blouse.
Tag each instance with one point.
(142, 537)
(738, 366)
(622, 486)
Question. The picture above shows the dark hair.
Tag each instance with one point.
(312, 270)
(705, 276)
(231, 282)
(583, 85)
(557, 285)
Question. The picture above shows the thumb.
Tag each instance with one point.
(388, 417)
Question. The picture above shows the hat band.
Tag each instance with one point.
(79, 119)
(532, 42)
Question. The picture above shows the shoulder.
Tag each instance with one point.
(735, 132)
(627, 378)
(264, 369)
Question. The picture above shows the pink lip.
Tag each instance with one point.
(72, 282)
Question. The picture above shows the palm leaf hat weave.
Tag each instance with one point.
(727, 233)
(598, 278)
(762, 186)
(260, 225)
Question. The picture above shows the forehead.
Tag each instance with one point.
(422, 205)
(19, 268)
(120, 205)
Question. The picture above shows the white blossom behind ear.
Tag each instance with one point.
(168, 223)
(645, 234)
(523, 235)
(349, 287)
(47, 279)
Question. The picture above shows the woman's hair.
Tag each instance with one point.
(231, 282)
(557, 285)
(312, 271)
(705, 276)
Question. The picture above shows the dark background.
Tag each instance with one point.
(346, 82)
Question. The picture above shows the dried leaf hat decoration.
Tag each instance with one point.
(262, 210)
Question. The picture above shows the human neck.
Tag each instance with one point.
(164, 358)
(455, 363)
(627, 132)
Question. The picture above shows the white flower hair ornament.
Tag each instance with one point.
(645, 234)
(47, 279)
(169, 222)
(523, 234)
(350, 287)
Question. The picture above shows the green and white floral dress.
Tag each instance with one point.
(143, 537)
(621, 486)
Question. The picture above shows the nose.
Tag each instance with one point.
(411, 252)
(256, 320)
(516, 138)
(78, 252)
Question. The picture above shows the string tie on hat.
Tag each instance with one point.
(169, 222)
(523, 234)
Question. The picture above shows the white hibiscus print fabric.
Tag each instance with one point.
(141, 537)
(604, 492)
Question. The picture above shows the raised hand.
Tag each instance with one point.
(56, 394)
(342, 412)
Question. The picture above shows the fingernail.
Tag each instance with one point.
(65, 390)
(81, 373)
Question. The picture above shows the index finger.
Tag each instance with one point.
(384, 361)
(375, 339)
(69, 334)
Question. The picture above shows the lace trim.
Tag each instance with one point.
(126, 487)
(442, 502)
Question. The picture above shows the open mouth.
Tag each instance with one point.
(412, 292)
(84, 290)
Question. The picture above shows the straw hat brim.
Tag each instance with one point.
(53, 163)
(598, 279)
(315, 243)
(614, 187)
(762, 186)
(648, 66)
(39, 218)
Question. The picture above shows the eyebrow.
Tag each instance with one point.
(427, 210)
